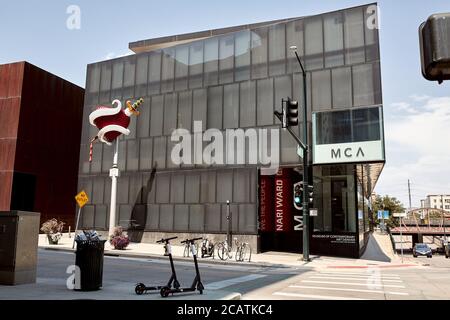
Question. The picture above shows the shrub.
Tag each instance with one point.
(118, 239)
(52, 226)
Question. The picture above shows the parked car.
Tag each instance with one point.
(422, 249)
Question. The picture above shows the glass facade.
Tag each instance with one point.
(232, 80)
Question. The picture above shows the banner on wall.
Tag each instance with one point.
(266, 208)
(283, 204)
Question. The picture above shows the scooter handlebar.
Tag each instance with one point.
(191, 240)
(165, 240)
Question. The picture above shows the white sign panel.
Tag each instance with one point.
(348, 152)
(399, 214)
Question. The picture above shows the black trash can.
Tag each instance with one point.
(89, 259)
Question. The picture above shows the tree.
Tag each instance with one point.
(390, 204)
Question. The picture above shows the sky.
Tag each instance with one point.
(416, 111)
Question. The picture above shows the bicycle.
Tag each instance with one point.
(243, 251)
(187, 249)
(224, 250)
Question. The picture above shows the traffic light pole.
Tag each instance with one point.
(304, 145)
(305, 167)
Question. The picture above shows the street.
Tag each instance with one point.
(429, 281)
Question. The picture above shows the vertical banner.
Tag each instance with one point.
(283, 200)
(266, 209)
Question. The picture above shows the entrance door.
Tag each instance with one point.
(338, 203)
(23, 192)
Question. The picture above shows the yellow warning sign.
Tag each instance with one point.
(82, 198)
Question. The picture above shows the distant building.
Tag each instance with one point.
(436, 201)
(40, 127)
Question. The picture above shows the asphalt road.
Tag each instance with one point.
(120, 275)
(430, 281)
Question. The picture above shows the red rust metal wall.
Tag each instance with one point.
(47, 140)
(11, 77)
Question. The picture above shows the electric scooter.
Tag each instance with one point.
(196, 284)
(142, 288)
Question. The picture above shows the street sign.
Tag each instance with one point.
(313, 212)
(386, 214)
(300, 152)
(81, 198)
(380, 214)
(399, 214)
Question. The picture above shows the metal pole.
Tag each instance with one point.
(76, 227)
(113, 173)
(228, 224)
(401, 239)
(305, 167)
(409, 194)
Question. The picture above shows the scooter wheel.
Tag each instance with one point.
(164, 292)
(201, 291)
(140, 288)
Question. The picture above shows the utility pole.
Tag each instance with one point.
(409, 194)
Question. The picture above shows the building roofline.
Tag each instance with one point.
(169, 41)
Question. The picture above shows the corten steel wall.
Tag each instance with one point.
(11, 77)
(232, 80)
(49, 128)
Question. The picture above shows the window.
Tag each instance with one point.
(366, 85)
(348, 126)
(181, 67)
(334, 39)
(214, 112)
(196, 65)
(211, 62)
(231, 106)
(167, 69)
(313, 43)
(154, 72)
(321, 90)
(129, 76)
(277, 49)
(117, 79)
(185, 110)
(247, 104)
(354, 36)
(342, 87)
(294, 37)
(242, 56)
(265, 102)
(141, 75)
(259, 53)
(226, 58)
(170, 113)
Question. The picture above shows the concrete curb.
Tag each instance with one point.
(110, 253)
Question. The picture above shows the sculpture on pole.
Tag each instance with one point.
(112, 122)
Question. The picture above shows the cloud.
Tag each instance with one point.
(419, 98)
(113, 55)
(417, 148)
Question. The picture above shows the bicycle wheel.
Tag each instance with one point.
(222, 251)
(246, 253)
(238, 256)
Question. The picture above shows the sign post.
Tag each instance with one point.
(400, 215)
(81, 199)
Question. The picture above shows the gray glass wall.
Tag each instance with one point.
(235, 80)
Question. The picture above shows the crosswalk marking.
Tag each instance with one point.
(354, 284)
(350, 290)
(367, 275)
(314, 296)
(230, 282)
(355, 279)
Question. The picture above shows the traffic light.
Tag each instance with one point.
(434, 36)
(310, 194)
(292, 113)
(298, 195)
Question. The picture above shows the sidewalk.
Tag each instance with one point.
(266, 259)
